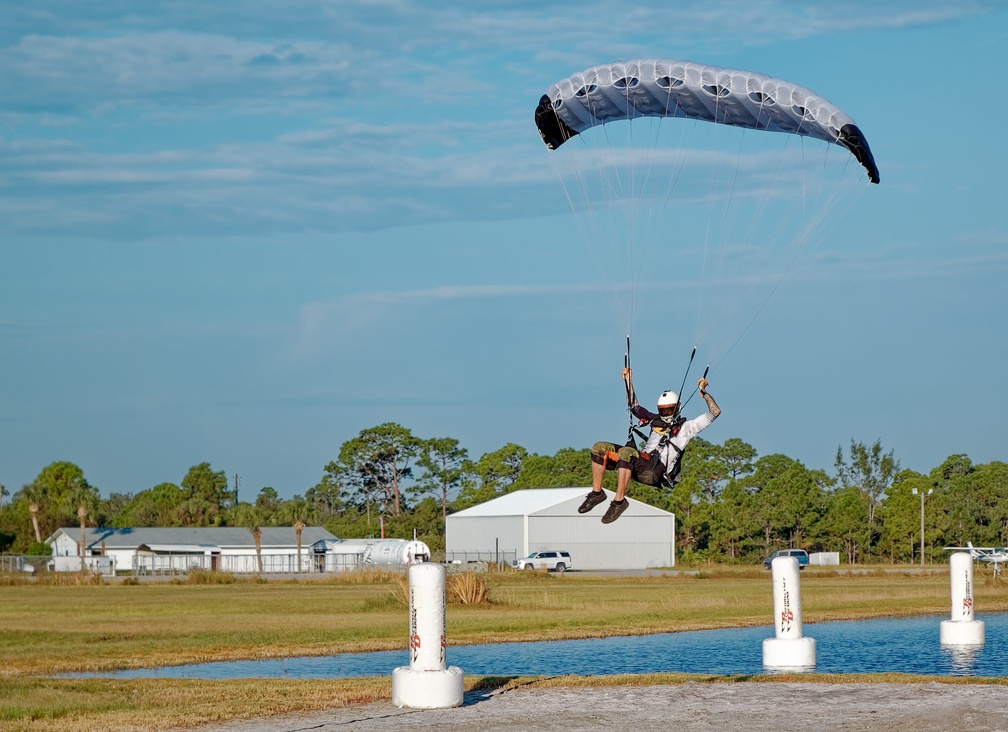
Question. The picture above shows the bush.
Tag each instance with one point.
(39, 549)
(460, 589)
(466, 589)
(206, 577)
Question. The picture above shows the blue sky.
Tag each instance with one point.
(242, 233)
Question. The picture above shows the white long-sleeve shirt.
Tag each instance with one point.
(668, 455)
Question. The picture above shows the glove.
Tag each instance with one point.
(702, 385)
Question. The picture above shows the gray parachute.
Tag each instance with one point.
(667, 88)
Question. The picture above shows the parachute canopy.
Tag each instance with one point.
(667, 88)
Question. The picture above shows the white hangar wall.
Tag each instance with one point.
(532, 520)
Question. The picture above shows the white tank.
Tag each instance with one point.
(382, 552)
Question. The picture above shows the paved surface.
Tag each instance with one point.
(719, 707)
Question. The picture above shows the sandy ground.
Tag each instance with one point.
(720, 707)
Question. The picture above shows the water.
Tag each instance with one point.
(906, 645)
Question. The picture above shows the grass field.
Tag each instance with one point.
(50, 629)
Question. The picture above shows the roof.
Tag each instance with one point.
(177, 548)
(523, 502)
(228, 536)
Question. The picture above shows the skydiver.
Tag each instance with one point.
(658, 462)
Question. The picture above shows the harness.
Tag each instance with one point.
(668, 431)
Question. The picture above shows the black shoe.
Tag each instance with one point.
(615, 510)
(591, 500)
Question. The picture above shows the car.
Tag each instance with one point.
(552, 561)
(800, 554)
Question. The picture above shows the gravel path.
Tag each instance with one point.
(717, 707)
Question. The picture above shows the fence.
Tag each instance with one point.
(160, 564)
(26, 563)
(501, 559)
(180, 564)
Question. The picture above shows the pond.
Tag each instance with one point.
(905, 645)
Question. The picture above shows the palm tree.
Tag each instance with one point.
(257, 535)
(85, 499)
(82, 515)
(300, 512)
(33, 508)
(36, 495)
(298, 528)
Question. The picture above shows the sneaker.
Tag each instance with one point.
(591, 500)
(615, 510)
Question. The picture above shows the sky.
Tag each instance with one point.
(242, 233)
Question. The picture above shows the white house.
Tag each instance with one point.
(167, 550)
(525, 521)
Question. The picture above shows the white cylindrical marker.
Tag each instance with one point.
(788, 649)
(426, 683)
(961, 629)
(427, 617)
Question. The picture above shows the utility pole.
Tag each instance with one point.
(237, 481)
(922, 494)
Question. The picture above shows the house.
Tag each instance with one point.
(518, 523)
(171, 550)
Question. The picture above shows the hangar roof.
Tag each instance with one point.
(523, 502)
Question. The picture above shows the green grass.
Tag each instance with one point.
(49, 629)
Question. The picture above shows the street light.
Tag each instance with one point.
(922, 494)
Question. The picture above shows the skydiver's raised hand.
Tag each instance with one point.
(630, 396)
(712, 406)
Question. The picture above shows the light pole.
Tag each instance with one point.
(921, 493)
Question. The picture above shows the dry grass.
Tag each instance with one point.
(11, 579)
(466, 589)
(205, 577)
(85, 705)
(368, 576)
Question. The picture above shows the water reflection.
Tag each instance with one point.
(963, 659)
(906, 645)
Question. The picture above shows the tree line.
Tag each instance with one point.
(731, 504)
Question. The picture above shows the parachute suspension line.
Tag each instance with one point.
(680, 162)
(726, 244)
(587, 217)
(714, 172)
(618, 234)
(629, 394)
(829, 213)
(633, 206)
(776, 238)
(646, 243)
(804, 196)
(684, 377)
(696, 388)
(724, 349)
(646, 171)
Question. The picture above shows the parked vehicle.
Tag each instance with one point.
(800, 554)
(550, 561)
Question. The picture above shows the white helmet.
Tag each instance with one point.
(668, 399)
